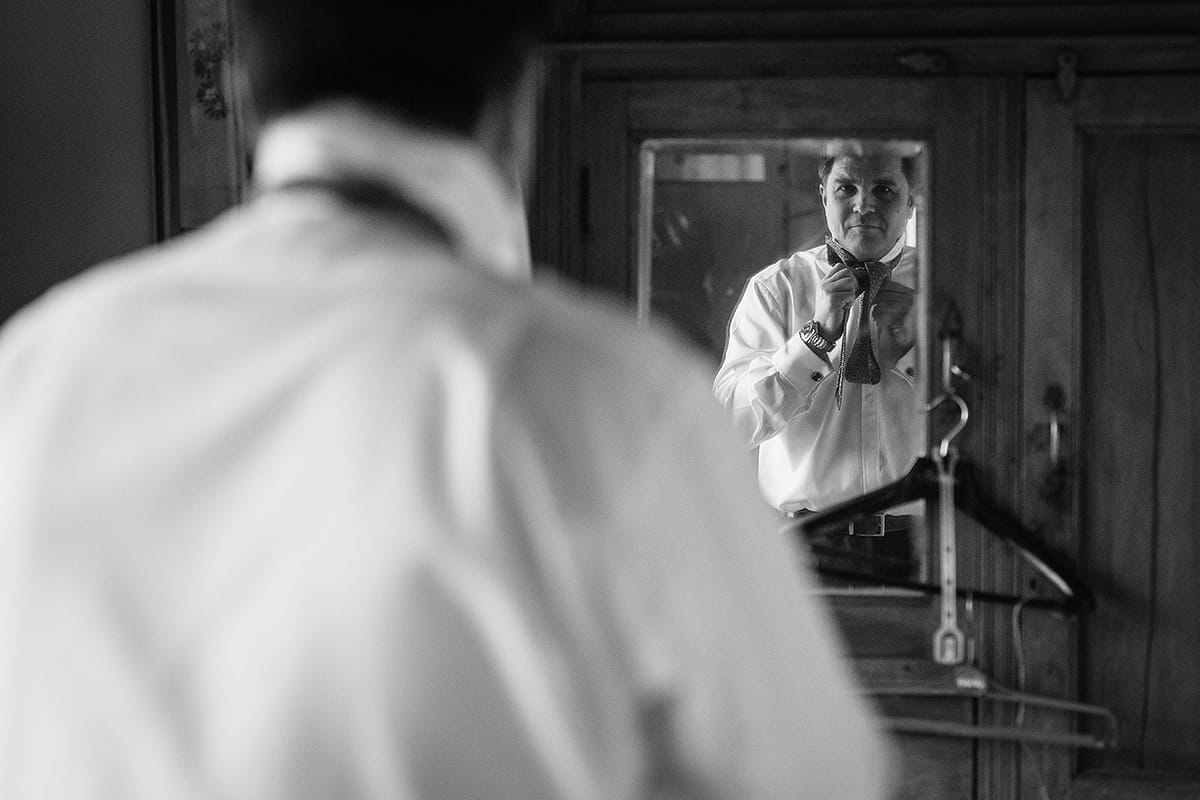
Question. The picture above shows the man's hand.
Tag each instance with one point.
(834, 296)
(893, 325)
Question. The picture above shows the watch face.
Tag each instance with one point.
(809, 328)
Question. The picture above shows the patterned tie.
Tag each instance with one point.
(860, 366)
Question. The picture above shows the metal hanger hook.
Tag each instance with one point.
(964, 414)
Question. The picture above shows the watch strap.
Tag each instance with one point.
(811, 335)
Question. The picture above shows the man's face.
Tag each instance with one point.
(867, 203)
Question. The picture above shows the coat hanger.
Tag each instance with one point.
(1095, 728)
(928, 478)
(922, 483)
(948, 481)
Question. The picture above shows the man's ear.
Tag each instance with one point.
(821, 192)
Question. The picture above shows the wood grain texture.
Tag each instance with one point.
(1146, 787)
(808, 56)
(1111, 290)
(1173, 197)
(1121, 391)
(1141, 377)
(889, 108)
(706, 19)
(929, 766)
(1050, 345)
(554, 220)
(609, 190)
(885, 627)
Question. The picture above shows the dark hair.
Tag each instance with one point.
(434, 64)
(908, 166)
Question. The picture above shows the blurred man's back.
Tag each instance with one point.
(322, 502)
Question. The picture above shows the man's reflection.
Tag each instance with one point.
(818, 370)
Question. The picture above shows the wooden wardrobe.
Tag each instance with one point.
(1065, 218)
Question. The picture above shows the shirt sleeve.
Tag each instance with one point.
(768, 375)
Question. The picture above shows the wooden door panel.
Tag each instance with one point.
(888, 107)
(1112, 274)
(1142, 439)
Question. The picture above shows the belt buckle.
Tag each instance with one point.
(880, 531)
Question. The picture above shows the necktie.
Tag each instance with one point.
(860, 366)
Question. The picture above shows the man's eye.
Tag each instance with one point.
(844, 190)
(884, 191)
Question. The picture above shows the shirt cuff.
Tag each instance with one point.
(905, 369)
(800, 364)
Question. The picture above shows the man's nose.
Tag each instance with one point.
(864, 203)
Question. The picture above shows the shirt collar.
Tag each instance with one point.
(448, 176)
(895, 251)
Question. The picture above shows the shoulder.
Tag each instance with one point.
(802, 265)
(600, 343)
(69, 315)
(797, 272)
(587, 368)
(604, 403)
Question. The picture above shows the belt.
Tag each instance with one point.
(872, 525)
(880, 525)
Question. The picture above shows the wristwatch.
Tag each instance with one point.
(811, 335)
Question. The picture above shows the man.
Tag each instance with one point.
(320, 502)
(818, 371)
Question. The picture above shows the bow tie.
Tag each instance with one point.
(864, 271)
(860, 366)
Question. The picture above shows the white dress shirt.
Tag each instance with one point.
(310, 504)
(811, 454)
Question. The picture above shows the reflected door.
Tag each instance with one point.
(719, 211)
(1112, 291)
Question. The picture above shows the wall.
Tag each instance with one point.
(76, 139)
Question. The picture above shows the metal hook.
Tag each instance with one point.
(950, 371)
(964, 414)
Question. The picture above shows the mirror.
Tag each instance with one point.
(732, 251)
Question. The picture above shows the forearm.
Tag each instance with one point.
(763, 391)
